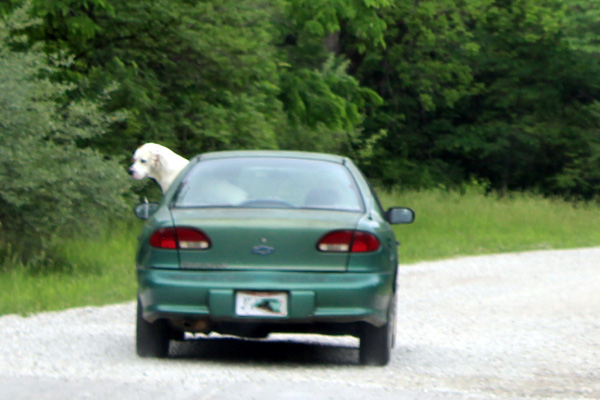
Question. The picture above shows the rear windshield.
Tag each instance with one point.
(269, 183)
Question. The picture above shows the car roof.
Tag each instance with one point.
(272, 153)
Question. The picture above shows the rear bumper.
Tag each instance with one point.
(313, 297)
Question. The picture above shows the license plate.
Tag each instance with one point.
(261, 304)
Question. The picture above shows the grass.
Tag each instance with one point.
(99, 272)
(448, 224)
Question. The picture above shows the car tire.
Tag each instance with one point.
(151, 339)
(376, 343)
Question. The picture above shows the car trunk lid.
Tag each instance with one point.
(264, 239)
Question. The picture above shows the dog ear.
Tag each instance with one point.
(155, 159)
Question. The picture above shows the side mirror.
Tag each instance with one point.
(145, 210)
(400, 215)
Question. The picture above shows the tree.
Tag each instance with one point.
(51, 188)
(422, 69)
(535, 115)
(193, 76)
(200, 76)
(582, 26)
(325, 104)
(422, 92)
(502, 91)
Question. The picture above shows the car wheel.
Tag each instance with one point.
(151, 339)
(376, 343)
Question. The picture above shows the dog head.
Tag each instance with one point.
(146, 161)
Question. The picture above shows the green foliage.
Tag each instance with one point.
(519, 131)
(193, 76)
(583, 25)
(324, 107)
(361, 20)
(423, 69)
(7, 6)
(51, 188)
(491, 89)
(200, 76)
(420, 92)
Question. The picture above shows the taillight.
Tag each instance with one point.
(180, 238)
(164, 238)
(348, 241)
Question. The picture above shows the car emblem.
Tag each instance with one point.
(263, 249)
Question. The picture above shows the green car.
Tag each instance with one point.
(248, 243)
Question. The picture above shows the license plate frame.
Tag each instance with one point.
(266, 304)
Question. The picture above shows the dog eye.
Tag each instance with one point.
(143, 161)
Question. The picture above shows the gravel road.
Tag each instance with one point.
(512, 326)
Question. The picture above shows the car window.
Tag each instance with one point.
(269, 183)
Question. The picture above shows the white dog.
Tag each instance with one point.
(154, 161)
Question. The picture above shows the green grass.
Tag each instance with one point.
(448, 224)
(98, 272)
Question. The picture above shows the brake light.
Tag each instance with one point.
(164, 238)
(348, 241)
(180, 238)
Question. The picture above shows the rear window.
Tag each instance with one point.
(269, 183)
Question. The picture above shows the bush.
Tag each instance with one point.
(51, 187)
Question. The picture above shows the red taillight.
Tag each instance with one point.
(180, 238)
(348, 241)
(364, 241)
(164, 238)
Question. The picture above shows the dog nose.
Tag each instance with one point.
(130, 171)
